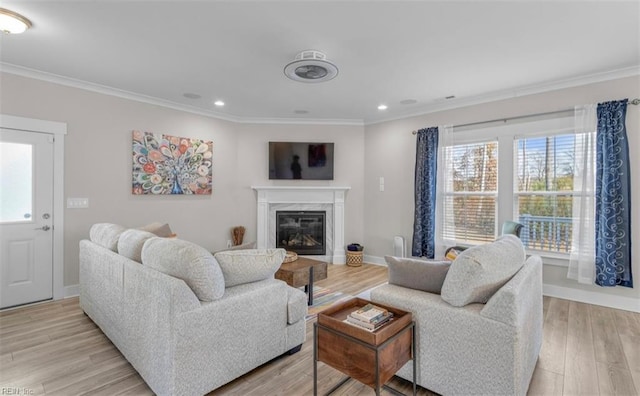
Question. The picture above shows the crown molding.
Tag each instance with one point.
(106, 90)
(428, 109)
(517, 92)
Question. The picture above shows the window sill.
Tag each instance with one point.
(558, 260)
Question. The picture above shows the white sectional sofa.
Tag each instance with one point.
(188, 322)
(479, 325)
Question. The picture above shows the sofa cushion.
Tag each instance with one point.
(130, 243)
(478, 272)
(244, 266)
(419, 274)
(296, 305)
(187, 261)
(244, 246)
(106, 235)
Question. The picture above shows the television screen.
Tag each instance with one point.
(305, 161)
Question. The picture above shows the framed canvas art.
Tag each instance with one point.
(167, 165)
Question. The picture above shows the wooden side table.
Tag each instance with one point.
(371, 358)
(302, 272)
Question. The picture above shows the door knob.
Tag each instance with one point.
(43, 228)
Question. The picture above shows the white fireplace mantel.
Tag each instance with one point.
(331, 197)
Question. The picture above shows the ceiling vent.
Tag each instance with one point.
(311, 66)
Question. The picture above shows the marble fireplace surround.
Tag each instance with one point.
(328, 198)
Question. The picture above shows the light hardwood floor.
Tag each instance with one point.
(53, 348)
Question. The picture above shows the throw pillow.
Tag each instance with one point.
(106, 235)
(160, 229)
(478, 272)
(130, 243)
(417, 273)
(187, 261)
(244, 266)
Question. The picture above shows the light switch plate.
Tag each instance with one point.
(77, 203)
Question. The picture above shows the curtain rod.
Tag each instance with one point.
(633, 102)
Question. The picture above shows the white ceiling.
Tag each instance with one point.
(387, 52)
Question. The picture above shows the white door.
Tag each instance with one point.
(26, 209)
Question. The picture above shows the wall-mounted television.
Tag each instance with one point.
(304, 161)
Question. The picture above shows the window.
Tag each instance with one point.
(544, 191)
(521, 172)
(473, 192)
(16, 178)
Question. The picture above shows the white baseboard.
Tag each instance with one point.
(594, 298)
(374, 260)
(567, 293)
(71, 291)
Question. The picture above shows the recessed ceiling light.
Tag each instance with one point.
(301, 111)
(311, 66)
(12, 22)
(218, 103)
(408, 101)
(382, 107)
(191, 95)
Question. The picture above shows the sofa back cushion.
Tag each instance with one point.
(187, 261)
(244, 266)
(130, 243)
(415, 273)
(106, 235)
(478, 272)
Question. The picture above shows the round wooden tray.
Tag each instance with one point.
(290, 256)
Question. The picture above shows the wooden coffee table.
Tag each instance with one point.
(371, 358)
(303, 272)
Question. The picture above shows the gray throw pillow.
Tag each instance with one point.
(417, 274)
(478, 272)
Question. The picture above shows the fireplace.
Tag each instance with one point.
(329, 199)
(302, 232)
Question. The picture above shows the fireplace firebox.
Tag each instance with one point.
(302, 232)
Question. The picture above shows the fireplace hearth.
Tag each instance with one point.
(302, 232)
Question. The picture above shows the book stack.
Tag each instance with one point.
(370, 317)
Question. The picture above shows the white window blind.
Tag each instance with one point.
(471, 194)
(543, 188)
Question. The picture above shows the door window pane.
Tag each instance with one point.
(16, 184)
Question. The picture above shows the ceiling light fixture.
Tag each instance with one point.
(382, 107)
(311, 66)
(218, 103)
(12, 22)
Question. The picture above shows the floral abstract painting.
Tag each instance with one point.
(164, 165)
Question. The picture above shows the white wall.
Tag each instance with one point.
(98, 164)
(390, 153)
(253, 161)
